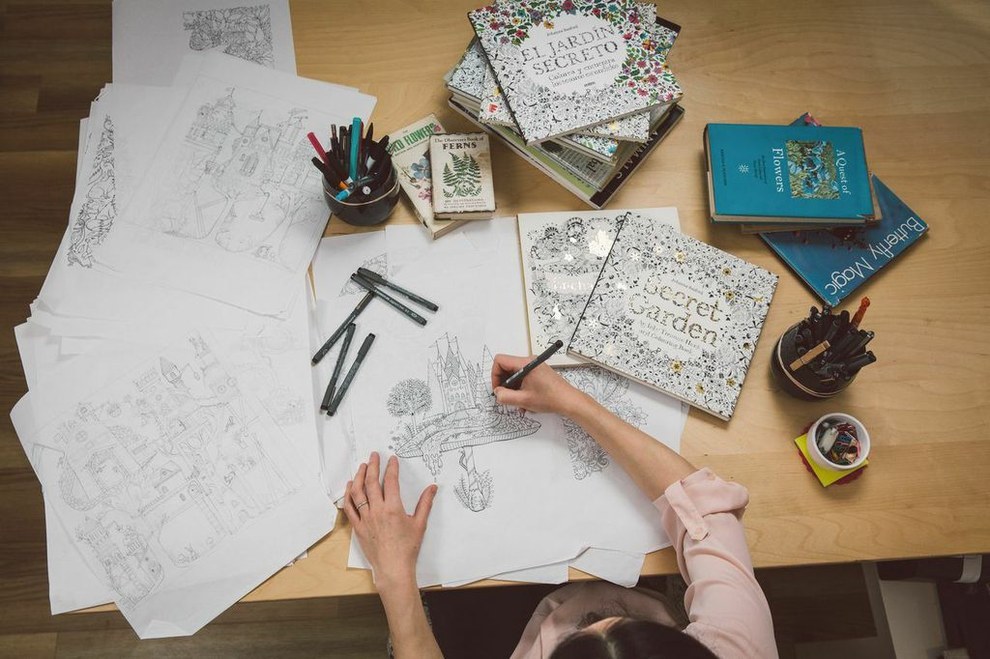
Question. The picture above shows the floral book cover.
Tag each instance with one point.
(461, 166)
(565, 65)
(562, 254)
(676, 314)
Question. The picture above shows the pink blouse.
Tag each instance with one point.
(726, 607)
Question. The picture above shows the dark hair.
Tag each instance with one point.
(629, 638)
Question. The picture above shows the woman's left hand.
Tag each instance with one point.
(388, 536)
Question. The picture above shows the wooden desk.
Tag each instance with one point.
(914, 75)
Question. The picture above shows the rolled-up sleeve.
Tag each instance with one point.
(726, 606)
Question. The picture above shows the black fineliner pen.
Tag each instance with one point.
(328, 395)
(514, 381)
(388, 299)
(322, 352)
(859, 345)
(345, 385)
(376, 278)
(856, 363)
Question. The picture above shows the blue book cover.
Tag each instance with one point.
(773, 173)
(835, 262)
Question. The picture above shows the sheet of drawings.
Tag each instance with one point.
(516, 490)
(562, 256)
(178, 488)
(230, 207)
(150, 37)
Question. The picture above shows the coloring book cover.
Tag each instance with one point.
(564, 65)
(676, 314)
(562, 254)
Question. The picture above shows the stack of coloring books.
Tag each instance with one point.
(578, 88)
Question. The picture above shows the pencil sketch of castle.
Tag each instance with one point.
(96, 214)
(453, 410)
(609, 389)
(244, 32)
(242, 183)
(164, 468)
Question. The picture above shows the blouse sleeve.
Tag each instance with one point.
(726, 606)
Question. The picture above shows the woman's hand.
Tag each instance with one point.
(543, 390)
(389, 537)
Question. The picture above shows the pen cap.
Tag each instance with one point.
(861, 434)
(364, 213)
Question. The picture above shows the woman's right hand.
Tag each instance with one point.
(543, 390)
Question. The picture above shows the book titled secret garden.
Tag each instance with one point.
(676, 314)
(565, 65)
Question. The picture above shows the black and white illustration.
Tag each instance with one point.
(240, 184)
(244, 32)
(98, 208)
(612, 391)
(164, 467)
(452, 410)
(676, 313)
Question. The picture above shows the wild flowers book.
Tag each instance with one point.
(410, 151)
(675, 314)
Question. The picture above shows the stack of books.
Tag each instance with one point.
(580, 89)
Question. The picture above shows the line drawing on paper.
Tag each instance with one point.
(240, 184)
(255, 358)
(99, 209)
(377, 264)
(244, 32)
(466, 416)
(611, 390)
(163, 468)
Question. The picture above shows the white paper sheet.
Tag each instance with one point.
(150, 37)
(619, 567)
(516, 491)
(231, 208)
(178, 487)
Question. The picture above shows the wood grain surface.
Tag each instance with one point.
(914, 74)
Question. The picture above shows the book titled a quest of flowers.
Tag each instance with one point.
(675, 314)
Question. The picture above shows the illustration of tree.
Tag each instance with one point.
(409, 397)
(464, 179)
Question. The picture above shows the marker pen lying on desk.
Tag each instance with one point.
(385, 297)
(376, 278)
(328, 395)
(515, 380)
(368, 340)
(322, 352)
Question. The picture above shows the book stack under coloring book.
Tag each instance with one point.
(580, 89)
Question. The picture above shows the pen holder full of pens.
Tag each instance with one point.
(797, 378)
(364, 212)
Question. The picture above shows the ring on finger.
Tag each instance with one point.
(363, 503)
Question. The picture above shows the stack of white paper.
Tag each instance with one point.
(170, 414)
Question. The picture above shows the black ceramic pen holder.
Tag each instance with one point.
(366, 212)
(797, 379)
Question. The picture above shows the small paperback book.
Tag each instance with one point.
(675, 314)
(562, 254)
(410, 150)
(462, 176)
(835, 262)
(790, 174)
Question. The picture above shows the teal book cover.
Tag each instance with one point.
(774, 172)
(835, 262)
